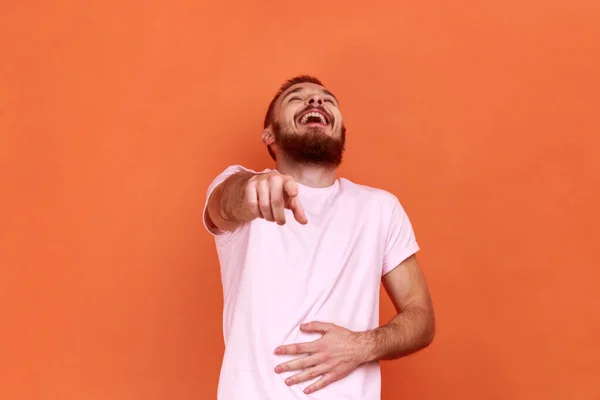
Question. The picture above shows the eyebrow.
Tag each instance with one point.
(291, 92)
(327, 92)
(298, 89)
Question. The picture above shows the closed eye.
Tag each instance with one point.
(330, 101)
(294, 98)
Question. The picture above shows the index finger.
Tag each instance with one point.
(298, 211)
(291, 190)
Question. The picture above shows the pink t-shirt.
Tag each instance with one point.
(278, 277)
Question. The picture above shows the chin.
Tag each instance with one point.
(319, 130)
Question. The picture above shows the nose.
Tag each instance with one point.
(315, 100)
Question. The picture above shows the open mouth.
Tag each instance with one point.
(312, 117)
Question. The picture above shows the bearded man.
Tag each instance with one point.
(303, 253)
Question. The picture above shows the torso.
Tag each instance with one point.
(277, 277)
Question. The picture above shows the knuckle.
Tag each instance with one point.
(274, 178)
(250, 191)
(299, 349)
(251, 184)
(263, 184)
(260, 180)
(290, 183)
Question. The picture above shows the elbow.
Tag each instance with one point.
(429, 336)
(430, 331)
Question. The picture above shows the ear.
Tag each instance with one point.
(267, 136)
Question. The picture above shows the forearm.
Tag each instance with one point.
(227, 208)
(409, 331)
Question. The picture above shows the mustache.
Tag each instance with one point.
(319, 108)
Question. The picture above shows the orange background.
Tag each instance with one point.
(483, 117)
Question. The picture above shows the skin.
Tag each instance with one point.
(245, 196)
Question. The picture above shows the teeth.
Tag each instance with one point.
(313, 114)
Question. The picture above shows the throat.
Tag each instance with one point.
(307, 175)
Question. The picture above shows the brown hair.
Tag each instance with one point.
(289, 83)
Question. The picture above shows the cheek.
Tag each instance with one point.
(338, 121)
(289, 115)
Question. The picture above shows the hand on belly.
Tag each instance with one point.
(335, 355)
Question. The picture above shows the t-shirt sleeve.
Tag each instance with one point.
(400, 241)
(229, 171)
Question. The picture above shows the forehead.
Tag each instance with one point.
(305, 87)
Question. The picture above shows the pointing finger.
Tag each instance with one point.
(298, 211)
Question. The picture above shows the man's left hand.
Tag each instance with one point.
(336, 354)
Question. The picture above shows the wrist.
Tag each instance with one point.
(233, 200)
(368, 346)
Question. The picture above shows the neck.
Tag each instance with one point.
(307, 175)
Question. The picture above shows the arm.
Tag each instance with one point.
(245, 196)
(413, 328)
(226, 204)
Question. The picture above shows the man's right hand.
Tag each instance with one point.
(245, 196)
(267, 195)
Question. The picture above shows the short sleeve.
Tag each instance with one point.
(400, 240)
(229, 171)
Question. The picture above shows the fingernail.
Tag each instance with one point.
(288, 382)
(278, 369)
(277, 350)
(307, 390)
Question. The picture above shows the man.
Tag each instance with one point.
(302, 256)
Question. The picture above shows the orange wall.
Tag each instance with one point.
(114, 117)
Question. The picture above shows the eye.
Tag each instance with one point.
(330, 101)
(294, 98)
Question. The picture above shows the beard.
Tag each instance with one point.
(313, 147)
